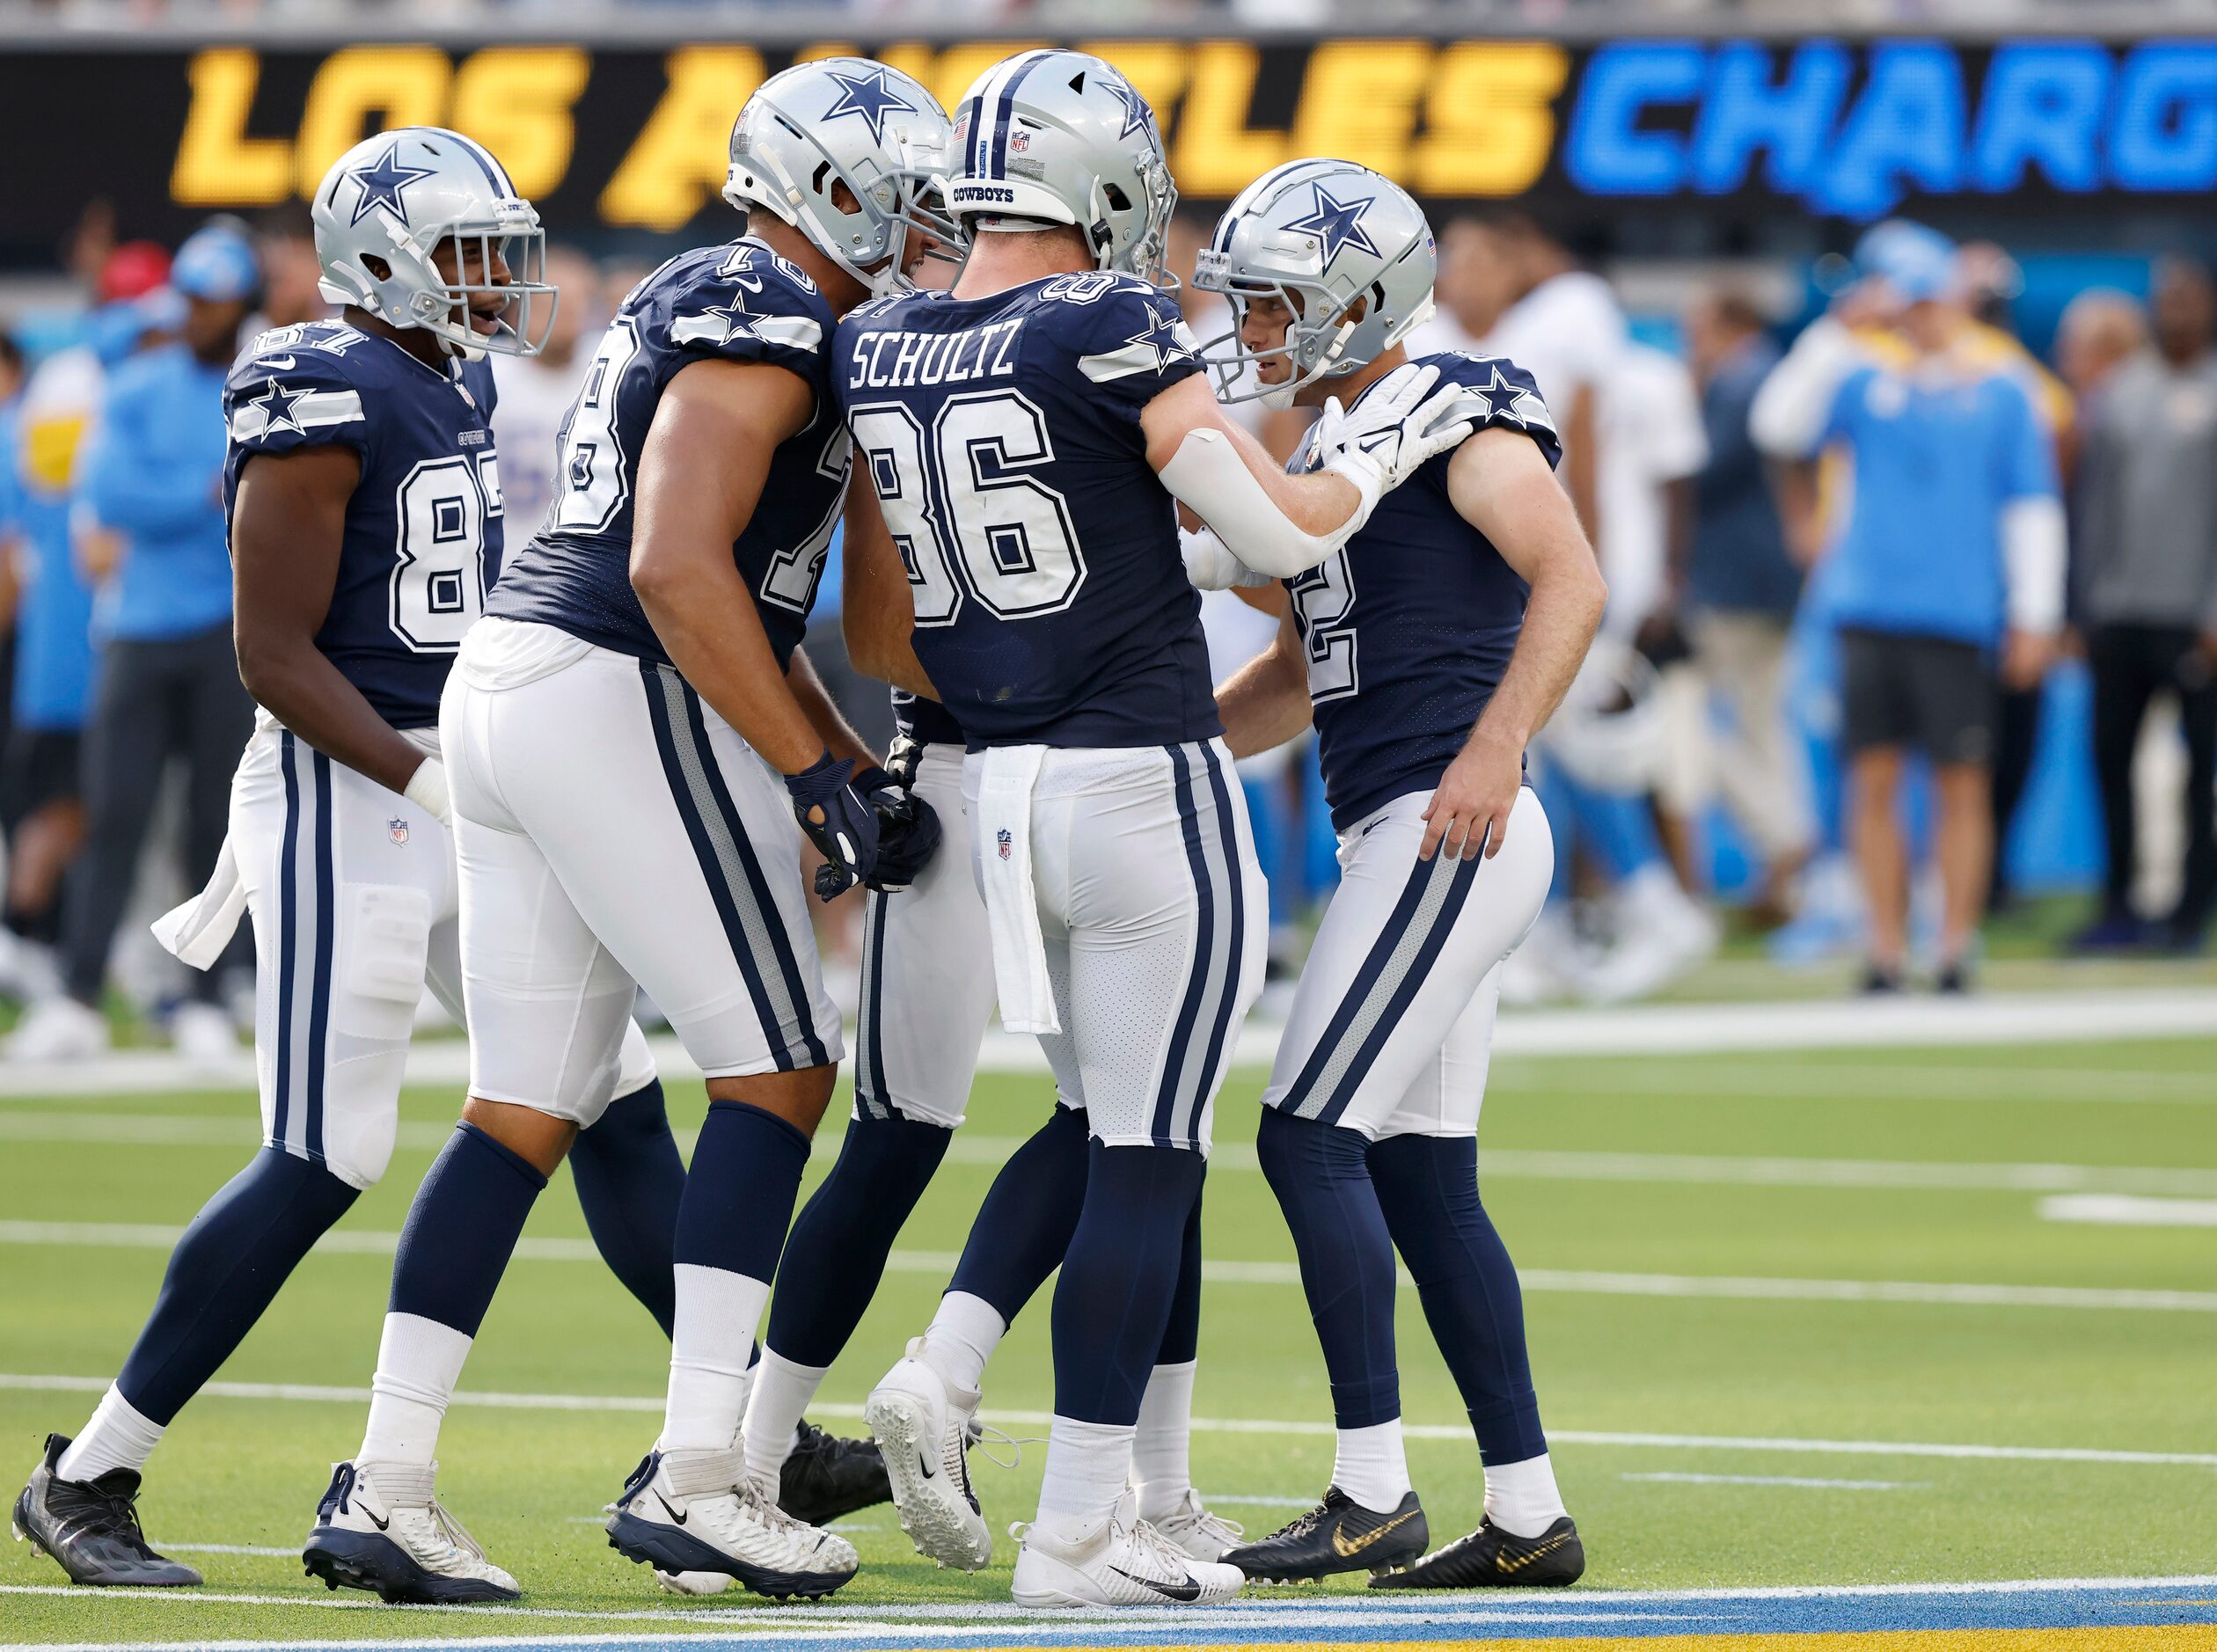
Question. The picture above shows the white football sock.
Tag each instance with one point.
(1521, 1498)
(1161, 1463)
(1371, 1467)
(961, 1338)
(709, 1351)
(781, 1392)
(1087, 1465)
(419, 1362)
(116, 1435)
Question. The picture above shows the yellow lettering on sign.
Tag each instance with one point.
(1156, 70)
(217, 164)
(516, 100)
(1489, 118)
(1218, 153)
(679, 159)
(401, 85)
(1358, 102)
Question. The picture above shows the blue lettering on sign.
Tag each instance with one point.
(1658, 117)
(1746, 111)
(1609, 153)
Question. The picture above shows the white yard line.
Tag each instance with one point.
(1776, 1479)
(2118, 1209)
(157, 1236)
(652, 1404)
(2081, 1016)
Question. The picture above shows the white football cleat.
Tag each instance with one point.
(1123, 1561)
(379, 1528)
(59, 1028)
(695, 1511)
(1196, 1533)
(922, 1423)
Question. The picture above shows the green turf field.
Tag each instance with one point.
(1626, 1189)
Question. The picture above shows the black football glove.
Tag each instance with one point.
(909, 836)
(839, 821)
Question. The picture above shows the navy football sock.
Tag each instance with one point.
(1429, 1187)
(1023, 1228)
(1119, 1275)
(231, 1260)
(1347, 1258)
(630, 1179)
(1181, 1335)
(462, 1230)
(836, 1254)
(739, 1194)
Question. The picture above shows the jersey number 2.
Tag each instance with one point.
(1322, 598)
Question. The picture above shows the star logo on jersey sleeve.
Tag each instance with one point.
(870, 97)
(1337, 223)
(1161, 336)
(1136, 111)
(1501, 398)
(382, 182)
(277, 404)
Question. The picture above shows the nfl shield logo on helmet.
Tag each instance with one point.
(1007, 843)
(398, 830)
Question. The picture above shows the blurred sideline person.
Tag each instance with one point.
(2146, 572)
(40, 789)
(637, 745)
(1736, 588)
(169, 685)
(1947, 576)
(1427, 649)
(351, 442)
(538, 391)
(292, 274)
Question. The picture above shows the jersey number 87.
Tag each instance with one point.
(437, 588)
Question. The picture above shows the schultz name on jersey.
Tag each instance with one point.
(737, 302)
(1409, 626)
(1002, 435)
(422, 539)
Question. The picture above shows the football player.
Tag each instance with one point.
(1028, 435)
(631, 734)
(365, 521)
(1426, 649)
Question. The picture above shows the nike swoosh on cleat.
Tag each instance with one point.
(1187, 1591)
(1341, 1546)
(667, 1510)
(1503, 1562)
(924, 1463)
(384, 1524)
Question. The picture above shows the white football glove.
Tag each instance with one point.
(1398, 428)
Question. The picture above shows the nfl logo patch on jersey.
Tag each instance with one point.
(1007, 843)
(398, 830)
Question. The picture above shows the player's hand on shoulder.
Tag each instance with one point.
(1468, 814)
(837, 820)
(1408, 420)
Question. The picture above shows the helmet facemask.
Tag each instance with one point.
(415, 292)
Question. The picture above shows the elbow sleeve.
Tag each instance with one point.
(1208, 473)
(2033, 553)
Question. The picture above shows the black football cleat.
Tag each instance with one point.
(1490, 1557)
(91, 1528)
(826, 1476)
(1338, 1535)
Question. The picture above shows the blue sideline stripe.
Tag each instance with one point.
(288, 937)
(320, 990)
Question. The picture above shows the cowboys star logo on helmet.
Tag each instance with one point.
(382, 182)
(868, 96)
(1136, 115)
(1338, 223)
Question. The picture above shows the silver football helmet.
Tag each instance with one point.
(393, 199)
(1061, 137)
(1319, 236)
(848, 121)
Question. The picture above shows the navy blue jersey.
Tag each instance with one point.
(925, 721)
(737, 302)
(423, 542)
(1002, 437)
(1409, 628)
